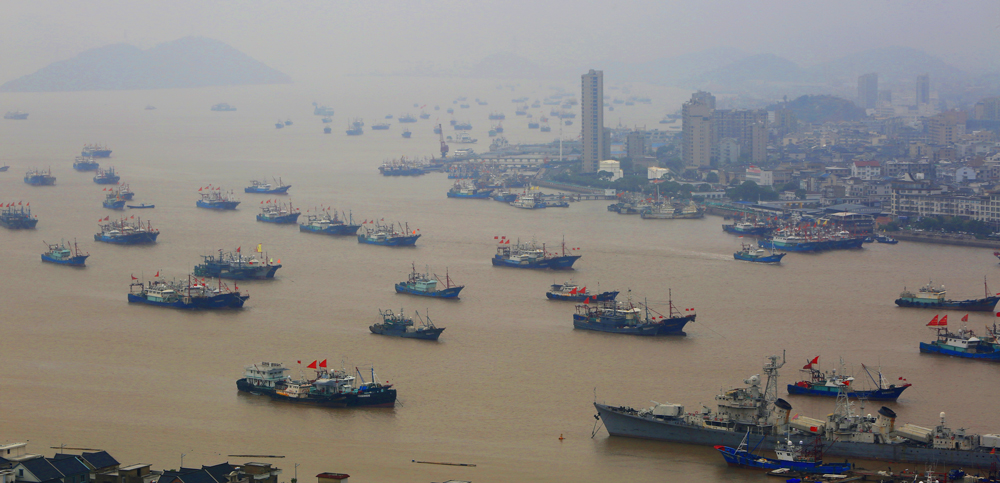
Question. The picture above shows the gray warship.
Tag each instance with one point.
(756, 413)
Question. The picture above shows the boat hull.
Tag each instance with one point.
(288, 219)
(554, 263)
(77, 261)
(934, 348)
(140, 207)
(281, 190)
(889, 394)
(114, 205)
(977, 305)
(423, 334)
(744, 459)
(336, 230)
(448, 293)
(107, 179)
(396, 241)
(40, 180)
(133, 239)
(623, 422)
(776, 258)
(97, 153)
(378, 398)
(218, 205)
(671, 326)
(86, 166)
(482, 195)
(220, 301)
(19, 223)
(603, 296)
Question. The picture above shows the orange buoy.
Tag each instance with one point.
(561, 437)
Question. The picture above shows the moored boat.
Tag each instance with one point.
(17, 217)
(328, 388)
(236, 266)
(399, 325)
(114, 201)
(751, 254)
(529, 201)
(223, 107)
(16, 115)
(799, 457)
(964, 343)
(280, 213)
(64, 254)
(326, 224)
(570, 292)
(37, 177)
(830, 384)
(216, 199)
(401, 167)
(886, 239)
(85, 164)
(425, 285)
(193, 294)
(95, 151)
(263, 187)
(628, 318)
(933, 297)
(670, 211)
(125, 232)
(468, 190)
(107, 176)
(530, 255)
(377, 233)
(142, 206)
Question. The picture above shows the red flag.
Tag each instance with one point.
(584, 290)
(323, 364)
(238, 249)
(496, 238)
(944, 320)
(933, 322)
(133, 277)
(312, 366)
(508, 241)
(199, 189)
(573, 292)
(157, 273)
(587, 301)
(106, 218)
(300, 362)
(383, 219)
(966, 318)
(847, 383)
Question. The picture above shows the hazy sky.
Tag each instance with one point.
(314, 40)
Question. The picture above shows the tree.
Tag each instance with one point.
(749, 191)
(712, 177)
(800, 194)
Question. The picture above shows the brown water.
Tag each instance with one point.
(83, 368)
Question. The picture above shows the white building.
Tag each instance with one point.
(759, 176)
(965, 174)
(866, 170)
(613, 167)
(654, 172)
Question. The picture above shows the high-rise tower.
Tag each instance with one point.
(592, 124)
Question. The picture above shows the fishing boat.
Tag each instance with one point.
(85, 164)
(113, 201)
(670, 211)
(4, 168)
(216, 199)
(504, 196)
(380, 126)
(407, 118)
(830, 384)
(327, 224)
(327, 388)
(125, 192)
(279, 125)
(193, 294)
(126, 232)
(545, 128)
(628, 318)
(751, 254)
(530, 255)
(38, 177)
(223, 107)
(533, 125)
(399, 325)
(324, 111)
(288, 122)
(377, 233)
(17, 217)
(327, 130)
(425, 285)
(236, 266)
(407, 133)
(748, 228)
(529, 201)
(468, 190)
(570, 292)
(280, 213)
(964, 343)
(933, 297)
(799, 457)
(141, 207)
(263, 187)
(886, 239)
(107, 176)
(95, 151)
(16, 115)
(424, 115)
(63, 254)
(355, 127)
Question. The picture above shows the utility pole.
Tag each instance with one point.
(182, 460)
(295, 478)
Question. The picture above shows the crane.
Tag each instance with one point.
(444, 145)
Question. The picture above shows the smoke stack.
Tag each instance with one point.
(784, 406)
(891, 416)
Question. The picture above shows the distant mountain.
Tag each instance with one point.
(822, 108)
(680, 70)
(186, 62)
(756, 68)
(893, 64)
(507, 66)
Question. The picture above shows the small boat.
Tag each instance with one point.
(327, 130)
(17, 217)
(570, 292)
(150, 108)
(16, 115)
(279, 125)
(279, 213)
(355, 128)
(376, 233)
(215, 199)
(288, 122)
(388, 116)
(963, 343)
(463, 126)
(751, 254)
(424, 115)
(933, 297)
(407, 133)
(529, 202)
(107, 176)
(263, 187)
(831, 384)
(223, 107)
(407, 118)
(141, 207)
(126, 193)
(425, 285)
(85, 164)
(62, 254)
(380, 126)
(533, 125)
(399, 325)
(324, 111)
(113, 201)
(886, 239)
(95, 151)
(468, 190)
(37, 177)
(4, 168)
(327, 120)
(328, 388)
(545, 128)
(326, 224)
(791, 456)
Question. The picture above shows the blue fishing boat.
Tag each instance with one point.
(62, 254)
(831, 384)
(113, 201)
(193, 295)
(141, 207)
(380, 126)
(85, 164)
(425, 285)
(125, 192)
(504, 196)
(401, 167)
(376, 233)
(748, 228)
(628, 318)
(37, 177)
(223, 107)
(758, 255)
(570, 292)
(530, 255)
(407, 133)
(279, 125)
(933, 297)
(962, 344)
(319, 110)
(355, 128)
(263, 187)
(328, 388)
(886, 239)
(327, 120)
(278, 213)
(424, 115)
(468, 190)
(122, 232)
(107, 176)
(795, 457)
(215, 199)
(95, 151)
(399, 325)
(526, 201)
(325, 224)
(236, 266)
(407, 118)
(17, 217)
(327, 130)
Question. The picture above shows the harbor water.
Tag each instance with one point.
(508, 377)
